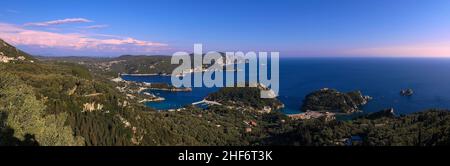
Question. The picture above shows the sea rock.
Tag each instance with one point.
(406, 92)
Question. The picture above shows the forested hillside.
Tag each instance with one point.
(55, 102)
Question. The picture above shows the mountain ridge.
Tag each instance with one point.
(9, 53)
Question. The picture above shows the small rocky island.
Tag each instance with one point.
(406, 92)
(331, 100)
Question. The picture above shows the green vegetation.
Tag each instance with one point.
(127, 64)
(429, 128)
(72, 102)
(11, 51)
(23, 118)
(244, 97)
(143, 65)
(333, 101)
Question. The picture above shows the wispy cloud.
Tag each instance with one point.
(12, 11)
(75, 41)
(59, 22)
(95, 27)
(425, 49)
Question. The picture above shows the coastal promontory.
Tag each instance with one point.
(245, 98)
(331, 100)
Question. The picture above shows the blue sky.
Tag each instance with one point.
(292, 27)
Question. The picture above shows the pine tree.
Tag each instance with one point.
(23, 116)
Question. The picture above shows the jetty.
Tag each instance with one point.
(204, 101)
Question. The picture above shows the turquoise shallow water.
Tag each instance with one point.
(381, 78)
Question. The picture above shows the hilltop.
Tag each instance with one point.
(125, 64)
(9, 53)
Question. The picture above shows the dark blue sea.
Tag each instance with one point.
(380, 78)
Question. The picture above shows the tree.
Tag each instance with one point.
(23, 115)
